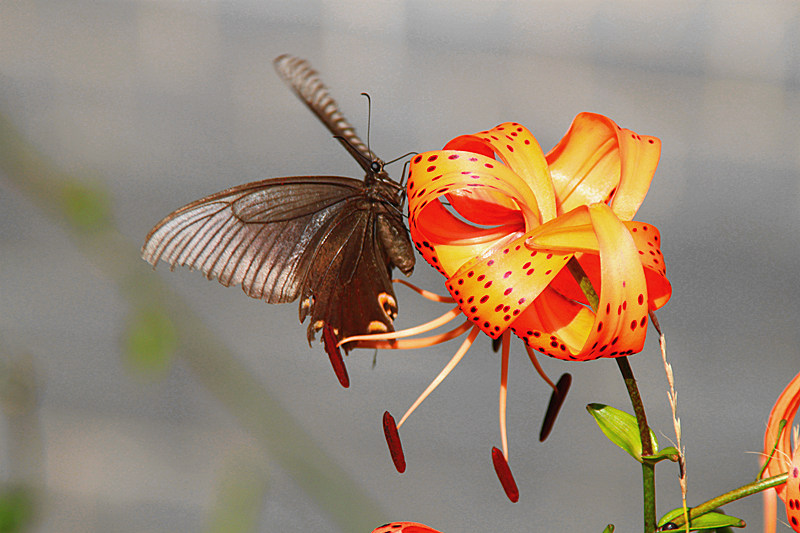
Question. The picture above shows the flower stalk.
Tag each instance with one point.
(648, 468)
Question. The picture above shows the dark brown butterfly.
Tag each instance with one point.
(329, 240)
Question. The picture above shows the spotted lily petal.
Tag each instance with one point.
(784, 459)
(597, 161)
(618, 328)
(517, 148)
(784, 409)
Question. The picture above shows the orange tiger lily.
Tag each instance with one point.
(515, 219)
(784, 459)
(404, 527)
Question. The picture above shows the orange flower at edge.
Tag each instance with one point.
(784, 459)
(514, 218)
(404, 527)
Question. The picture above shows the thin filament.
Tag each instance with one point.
(411, 344)
(410, 332)
(538, 367)
(443, 374)
(504, 392)
(425, 294)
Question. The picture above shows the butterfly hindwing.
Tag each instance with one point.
(350, 287)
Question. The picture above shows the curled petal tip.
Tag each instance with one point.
(393, 440)
(556, 401)
(335, 355)
(504, 475)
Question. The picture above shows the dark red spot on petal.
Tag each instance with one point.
(433, 158)
(508, 291)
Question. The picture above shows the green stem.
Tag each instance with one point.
(648, 469)
(732, 496)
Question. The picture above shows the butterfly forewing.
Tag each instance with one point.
(262, 235)
(303, 80)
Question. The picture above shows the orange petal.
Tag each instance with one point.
(465, 175)
(620, 325)
(784, 409)
(520, 152)
(574, 231)
(494, 288)
(446, 242)
(405, 527)
(599, 162)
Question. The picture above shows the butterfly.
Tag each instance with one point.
(329, 241)
(404, 527)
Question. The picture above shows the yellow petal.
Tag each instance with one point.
(599, 162)
(518, 149)
(493, 289)
(619, 326)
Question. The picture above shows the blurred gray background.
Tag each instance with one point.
(162, 102)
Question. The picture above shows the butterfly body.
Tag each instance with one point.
(330, 241)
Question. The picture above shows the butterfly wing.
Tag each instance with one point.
(349, 286)
(261, 235)
(282, 238)
(303, 80)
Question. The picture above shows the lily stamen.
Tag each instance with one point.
(462, 350)
(432, 296)
(410, 332)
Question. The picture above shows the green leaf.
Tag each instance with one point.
(621, 429)
(609, 528)
(150, 342)
(710, 520)
(670, 452)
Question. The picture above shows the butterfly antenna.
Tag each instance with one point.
(369, 120)
(396, 159)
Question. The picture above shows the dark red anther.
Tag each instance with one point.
(393, 440)
(504, 475)
(335, 355)
(556, 401)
